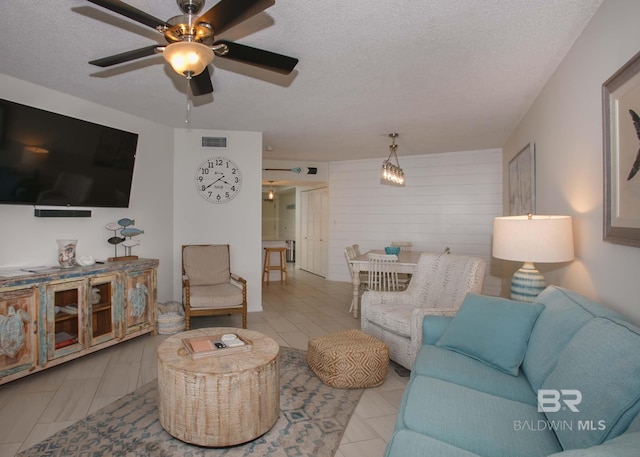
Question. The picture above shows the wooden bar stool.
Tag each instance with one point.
(281, 266)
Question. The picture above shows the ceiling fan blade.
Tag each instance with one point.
(132, 13)
(259, 58)
(227, 13)
(126, 56)
(201, 84)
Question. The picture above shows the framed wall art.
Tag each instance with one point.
(621, 136)
(522, 182)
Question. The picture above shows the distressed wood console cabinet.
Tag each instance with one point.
(53, 316)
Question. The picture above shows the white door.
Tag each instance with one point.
(314, 216)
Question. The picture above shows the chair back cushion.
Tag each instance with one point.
(443, 280)
(206, 264)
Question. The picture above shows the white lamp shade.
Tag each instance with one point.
(188, 57)
(545, 239)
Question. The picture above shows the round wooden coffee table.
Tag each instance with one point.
(218, 400)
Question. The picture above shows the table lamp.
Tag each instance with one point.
(529, 239)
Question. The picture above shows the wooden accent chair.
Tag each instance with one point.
(209, 287)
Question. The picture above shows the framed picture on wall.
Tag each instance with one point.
(621, 124)
(522, 182)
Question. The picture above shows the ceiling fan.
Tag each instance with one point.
(191, 39)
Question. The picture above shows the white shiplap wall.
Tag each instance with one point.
(450, 199)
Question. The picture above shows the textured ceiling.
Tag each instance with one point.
(447, 75)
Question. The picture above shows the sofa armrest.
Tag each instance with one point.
(238, 281)
(428, 325)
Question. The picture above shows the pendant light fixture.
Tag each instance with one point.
(271, 195)
(392, 174)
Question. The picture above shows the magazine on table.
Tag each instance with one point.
(223, 344)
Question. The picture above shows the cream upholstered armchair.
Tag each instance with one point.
(209, 287)
(438, 286)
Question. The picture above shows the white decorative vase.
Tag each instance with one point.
(67, 253)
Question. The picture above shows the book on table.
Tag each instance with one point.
(214, 345)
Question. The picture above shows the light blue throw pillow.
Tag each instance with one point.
(493, 330)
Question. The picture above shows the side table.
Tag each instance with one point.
(218, 400)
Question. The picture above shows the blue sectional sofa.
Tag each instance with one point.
(559, 377)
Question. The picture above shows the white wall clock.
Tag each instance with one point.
(218, 180)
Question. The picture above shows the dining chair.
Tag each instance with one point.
(383, 272)
(403, 278)
(351, 254)
(209, 287)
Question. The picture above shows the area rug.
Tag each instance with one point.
(312, 420)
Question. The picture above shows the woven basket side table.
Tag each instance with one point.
(349, 360)
(219, 400)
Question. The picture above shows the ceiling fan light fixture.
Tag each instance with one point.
(188, 58)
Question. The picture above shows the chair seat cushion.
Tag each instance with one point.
(394, 318)
(218, 296)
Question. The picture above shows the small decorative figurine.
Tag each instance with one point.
(124, 225)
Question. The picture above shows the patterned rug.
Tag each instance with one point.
(312, 420)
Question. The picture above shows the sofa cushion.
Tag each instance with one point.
(492, 330)
(625, 445)
(408, 443)
(475, 421)
(564, 314)
(458, 368)
(601, 362)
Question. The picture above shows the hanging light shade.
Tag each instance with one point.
(392, 174)
(188, 58)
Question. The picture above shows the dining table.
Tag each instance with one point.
(407, 262)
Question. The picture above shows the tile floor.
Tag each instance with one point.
(39, 405)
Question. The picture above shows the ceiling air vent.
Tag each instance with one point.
(214, 141)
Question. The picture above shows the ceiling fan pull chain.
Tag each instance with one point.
(188, 112)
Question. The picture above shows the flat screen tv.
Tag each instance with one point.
(53, 160)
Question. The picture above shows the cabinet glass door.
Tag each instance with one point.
(66, 326)
(102, 290)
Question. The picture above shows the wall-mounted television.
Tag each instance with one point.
(53, 160)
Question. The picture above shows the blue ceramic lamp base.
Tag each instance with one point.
(527, 283)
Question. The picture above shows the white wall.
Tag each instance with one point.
(565, 123)
(28, 240)
(449, 199)
(237, 223)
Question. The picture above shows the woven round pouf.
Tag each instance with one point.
(349, 360)
(218, 400)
